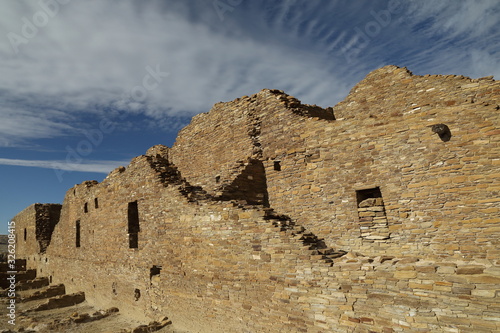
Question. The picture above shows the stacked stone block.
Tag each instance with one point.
(372, 219)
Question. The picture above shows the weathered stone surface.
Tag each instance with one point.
(370, 202)
(38, 222)
(62, 301)
(50, 291)
(33, 284)
(470, 269)
(243, 225)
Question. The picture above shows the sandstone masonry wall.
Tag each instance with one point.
(35, 225)
(194, 149)
(272, 216)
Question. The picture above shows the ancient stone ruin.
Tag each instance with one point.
(380, 214)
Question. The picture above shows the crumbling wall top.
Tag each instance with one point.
(158, 151)
(390, 90)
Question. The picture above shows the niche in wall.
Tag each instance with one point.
(133, 225)
(371, 215)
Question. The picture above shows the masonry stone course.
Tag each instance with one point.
(379, 214)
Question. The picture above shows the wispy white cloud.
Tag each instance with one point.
(26, 123)
(86, 166)
(457, 18)
(459, 37)
(92, 56)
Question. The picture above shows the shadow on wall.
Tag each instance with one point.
(443, 131)
(250, 185)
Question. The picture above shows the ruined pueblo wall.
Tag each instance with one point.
(440, 197)
(25, 222)
(271, 216)
(212, 266)
(34, 227)
(196, 146)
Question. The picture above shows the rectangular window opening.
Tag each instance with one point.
(77, 233)
(133, 225)
(372, 217)
(85, 208)
(277, 165)
(362, 195)
(25, 234)
(96, 203)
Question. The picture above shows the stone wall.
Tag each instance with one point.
(34, 226)
(441, 197)
(195, 145)
(272, 216)
(382, 138)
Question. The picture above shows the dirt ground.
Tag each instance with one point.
(49, 321)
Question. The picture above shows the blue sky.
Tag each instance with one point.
(87, 85)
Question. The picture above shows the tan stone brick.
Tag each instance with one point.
(488, 279)
(420, 286)
(470, 269)
(405, 274)
(484, 293)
